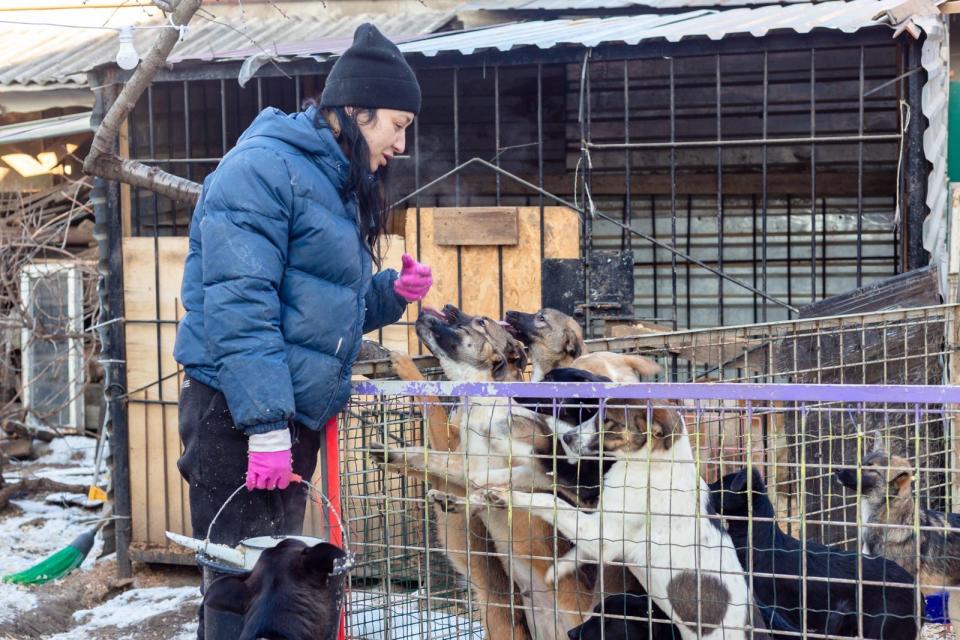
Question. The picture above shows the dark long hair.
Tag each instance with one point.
(369, 186)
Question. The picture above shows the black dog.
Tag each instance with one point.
(831, 606)
(292, 593)
(613, 625)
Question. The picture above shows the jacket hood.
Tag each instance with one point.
(298, 130)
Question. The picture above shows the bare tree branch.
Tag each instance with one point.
(101, 161)
(141, 175)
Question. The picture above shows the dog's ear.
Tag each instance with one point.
(738, 484)
(229, 594)
(572, 343)
(321, 558)
(516, 354)
(901, 482)
(877, 443)
(499, 366)
(756, 481)
(665, 426)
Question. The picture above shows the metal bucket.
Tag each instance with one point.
(218, 625)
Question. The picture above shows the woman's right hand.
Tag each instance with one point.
(269, 461)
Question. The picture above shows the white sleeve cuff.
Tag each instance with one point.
(278, 440)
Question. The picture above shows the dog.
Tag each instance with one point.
(496, 444)
(554, 340)
(887, 500)
(649, 500)
(831, 605)
(626, 616)
(292, 593)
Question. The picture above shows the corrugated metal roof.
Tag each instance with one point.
(598, 5)
(801, 18)
(46, 128)
(590, 32)
(60, 56)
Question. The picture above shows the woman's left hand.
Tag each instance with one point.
(414, 281)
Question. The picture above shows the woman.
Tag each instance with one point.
(278, 290)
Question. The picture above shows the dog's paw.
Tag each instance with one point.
(404, 366)
(446, 502)
(559, 571)
(490, 497)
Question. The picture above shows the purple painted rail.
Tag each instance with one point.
(897, 394)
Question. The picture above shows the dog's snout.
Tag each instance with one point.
(569, 438)
(846, 477)
(574, 634)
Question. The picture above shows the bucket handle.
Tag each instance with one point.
(340, 566)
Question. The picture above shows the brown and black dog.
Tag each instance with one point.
(495, 443)
(555, 340)
(892, 522)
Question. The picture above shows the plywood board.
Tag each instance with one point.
(153, 271)
(394, 336)
(489, 280)
(476, 226)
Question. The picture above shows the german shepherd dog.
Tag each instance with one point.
(554, 340)
(887, 500)
(655, 515)
(495, 444)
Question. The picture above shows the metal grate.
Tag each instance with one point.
(730, 427)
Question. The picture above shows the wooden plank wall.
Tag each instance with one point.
(479, 266)
(152, 271)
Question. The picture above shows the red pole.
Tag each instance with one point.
(335, 515)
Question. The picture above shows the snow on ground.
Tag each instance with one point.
(132, 608)
(371, 614)
(34, 530)
(14, 600)
(40, 530)
(68, 459)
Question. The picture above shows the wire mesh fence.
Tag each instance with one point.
(663, 510)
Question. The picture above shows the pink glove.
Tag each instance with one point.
(269, 469)
(414, 281)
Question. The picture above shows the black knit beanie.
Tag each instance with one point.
(373, 74)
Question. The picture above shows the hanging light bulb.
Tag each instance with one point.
(127, 56)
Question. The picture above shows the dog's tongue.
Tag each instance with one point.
(433, 311)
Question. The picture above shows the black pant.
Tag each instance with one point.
(214, 464)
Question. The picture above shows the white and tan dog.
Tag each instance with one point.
(655, 516)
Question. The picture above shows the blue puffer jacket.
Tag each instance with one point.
(277, 284)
